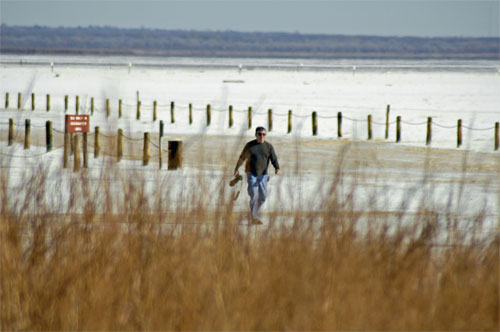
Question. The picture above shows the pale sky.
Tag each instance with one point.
(430, 18)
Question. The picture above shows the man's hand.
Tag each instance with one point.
(277, 171)
(236, 173)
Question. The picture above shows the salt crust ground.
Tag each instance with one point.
(446, 94)
(383, 174)
(379, 168)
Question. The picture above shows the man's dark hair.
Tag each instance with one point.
(259, 129)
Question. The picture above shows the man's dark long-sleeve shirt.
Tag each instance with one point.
(257, 156)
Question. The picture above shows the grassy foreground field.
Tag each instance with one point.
(162, 266)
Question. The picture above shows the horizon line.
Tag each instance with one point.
(246, 32)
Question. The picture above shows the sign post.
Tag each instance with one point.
(76, 124)
(159, 142)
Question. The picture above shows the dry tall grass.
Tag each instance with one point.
(102, 261)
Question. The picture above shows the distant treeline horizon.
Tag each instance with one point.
(154, 42)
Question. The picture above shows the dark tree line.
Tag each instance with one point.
(109, 40)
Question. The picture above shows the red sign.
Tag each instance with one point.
(77, 123)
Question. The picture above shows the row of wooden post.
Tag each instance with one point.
(208, 114)
(174, 149)
(231, 121)
(77, 104)
(72, 143)
(19, 102)
(270, 119)
(172, 111)
(314, 125)
(428, 139)
(108, 111)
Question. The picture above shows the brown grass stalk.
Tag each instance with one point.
(139, 261)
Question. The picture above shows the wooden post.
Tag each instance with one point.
(289, 121)
(190, 113)
(48, 135)
(459, 133)
(160, 159)
(66, 137)
(230, 116)
(339, 124)
(172, 109)
(387, 121)
(85, 151)
(138, 115)
(76, 158)
(92, 106)
(107, 107)
(154, 110)
(72, 142)
(77, 104)
(119, 109)
(11, 131)
(429, 131)
(314, 124)
(269, 119)
(48, 102)
(19, 101)
(174, 155)
(97, 143)
(370, 133)
(6, 100)
(119, 145)
(27, 133)
(497, 135)
(32, 101)
(398, 129)
(146, 154)
(249, 117)
(65, 103)
(209, 115)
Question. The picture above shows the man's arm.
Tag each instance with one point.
(274, 161)
(241, 159)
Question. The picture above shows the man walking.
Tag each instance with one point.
(257, 154)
